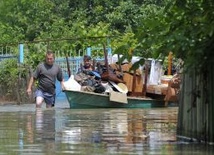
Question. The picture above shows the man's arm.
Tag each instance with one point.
(29, 89)
(60, 78)
(62, 84)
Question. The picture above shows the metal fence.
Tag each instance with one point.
(74, 62)
(75, 58)
(6, 52)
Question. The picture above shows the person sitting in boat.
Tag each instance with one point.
(84, 70)
(87, 68)
(87, 65)
(88, 78)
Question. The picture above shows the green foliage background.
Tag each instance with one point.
(146, 28)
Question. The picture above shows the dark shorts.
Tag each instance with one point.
(48, 98)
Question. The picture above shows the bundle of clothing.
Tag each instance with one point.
(90, 81)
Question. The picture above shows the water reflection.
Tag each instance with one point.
(121, 130)
(45, 128)
(103, 131)
(29, 129)
(45, 124)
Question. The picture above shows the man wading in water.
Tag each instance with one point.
(46, 73)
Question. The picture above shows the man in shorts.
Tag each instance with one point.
(46, 74)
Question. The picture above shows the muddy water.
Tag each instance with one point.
(24, 130)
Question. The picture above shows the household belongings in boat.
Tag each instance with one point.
(159, 85)
(168, 88)
(173, 89)
(122, 80)
(97, 81)
(88, 82)
(83, 99)
(93, 81)
(154, 85)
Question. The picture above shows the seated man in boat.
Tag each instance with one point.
(87, 65)
(84, 70)
(88, 78)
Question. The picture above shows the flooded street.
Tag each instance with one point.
(25, 130)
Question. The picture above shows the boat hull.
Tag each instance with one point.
(85, 100)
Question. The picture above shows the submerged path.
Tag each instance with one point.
(25, 130)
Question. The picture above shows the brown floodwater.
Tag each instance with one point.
(27, 131)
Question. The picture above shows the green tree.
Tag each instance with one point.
(183, 27)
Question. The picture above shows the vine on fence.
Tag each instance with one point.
(13, 81)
